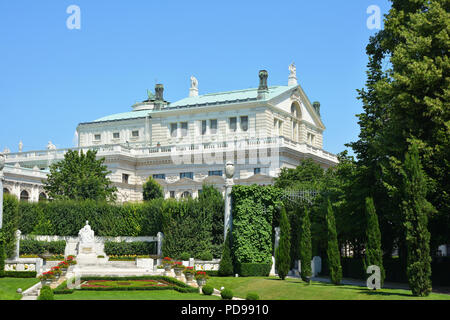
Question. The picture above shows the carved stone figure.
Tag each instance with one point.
(194, 82)
(20, 146)
(86, 234)
(293, 69)
(51, 146)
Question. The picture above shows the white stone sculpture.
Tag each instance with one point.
(86, 234)
(193, 91)
(20, 146)
(51, 146)
(292, 75)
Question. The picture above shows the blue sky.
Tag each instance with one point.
(53, 78)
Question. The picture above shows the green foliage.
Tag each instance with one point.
(305, 246)
(205, 256)
(226, 262)
(207, 290)
(184, 256)
(282, 253)
(20, 274)
(333, 255)
(79, 177)
(129, 248)
(253, 210)
(152, 190)
(46, 293)
(10, 223)
(2, 255)
(226, 294)
(30, 246)
(254, 269)
(252, 296)
(307, 175)
(374, 254)
(415, 209)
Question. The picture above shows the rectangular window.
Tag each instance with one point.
(173, 130)
(244, 123)
(184, 129)
(215, 173)
(135, 133)
(125, 178)
(257, 171)
(172, 194)
(233, 124)
(203, 127)
(97, 137)
(116, 135)
(189, 175)
(213, 126)
(161, 176)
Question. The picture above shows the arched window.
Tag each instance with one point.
(5, 190)
(42, 197)
(24, 196)
(296, 116)
(186, 194)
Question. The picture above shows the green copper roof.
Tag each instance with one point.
(237, 96)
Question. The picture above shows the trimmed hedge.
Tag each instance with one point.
(254, 269)
(129, 248)
(31, 246)
(207, 290)
(46, 294)
(252, 296)
(20, 274)
(226, 294)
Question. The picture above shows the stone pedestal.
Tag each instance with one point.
(86, 254)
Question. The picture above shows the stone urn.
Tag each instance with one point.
(167, 267)
(201, 282)
(44, 256)
(189, 277)
(178, 271)
(46, 282)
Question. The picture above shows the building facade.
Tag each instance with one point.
(186, 144)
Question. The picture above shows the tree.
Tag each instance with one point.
(415, 209)
(2, 255)
(406, 97)
(79, 176)
(374, 254)
(334, 259)
(282, 254)
(305, 246)
(226, 262)
(152, 190)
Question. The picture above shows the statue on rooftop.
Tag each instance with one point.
(293, 69)
(20, 146)
(194, 82)
(51, 146)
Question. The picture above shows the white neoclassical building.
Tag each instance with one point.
(185, 144)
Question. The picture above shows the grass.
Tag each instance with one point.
(295, 289)
(9, 286)
(125, 283)
(133, 295)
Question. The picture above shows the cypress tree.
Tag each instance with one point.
(305, 246)
(226, 263)
(2, 255)
(415, 209)
(334, 260)
(374, 254)
(282, 253)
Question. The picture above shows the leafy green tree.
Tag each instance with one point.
(374, 254)
(282, 253)
(226, 262)
(305, 246)
(415, 209)
(80, 176)
(152, 190)
(307, 175)
(334, 259)
(406, 97)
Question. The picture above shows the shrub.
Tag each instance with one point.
(254, 269)
(207, 290)
(20, 274)
(185, 256)
(333, 254)
(282, 254)
(206, 256)
(2, 256)
(252, 296)
(152, 190)
(129, 248)
(226, 294)
(46, 294)
(31, 246)
(226, 263)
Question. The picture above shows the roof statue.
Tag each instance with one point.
(292, 75)
(193, 91)
(51, 146)
(20, 146)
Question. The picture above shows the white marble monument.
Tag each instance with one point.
(88, 249)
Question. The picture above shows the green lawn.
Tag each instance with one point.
(133, 295)
(295, 289)
(9, 286)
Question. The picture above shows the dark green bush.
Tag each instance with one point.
(207, 290)
(226, 263)
(129, 248)
(185, 256)
(2, 256)
(226, 294)
(205, 256)
(46, 293)
(20, 274)
(10, 223)
(254, 269)
(31, 246)
(252, 296)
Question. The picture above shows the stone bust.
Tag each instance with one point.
(86, 234)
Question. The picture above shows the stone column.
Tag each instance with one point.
(2, 165)
(17, 248)
(228, 219)
(160, 237)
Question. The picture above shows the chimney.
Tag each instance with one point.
(159, 98)
(316, 106)
(263, 90)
